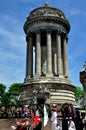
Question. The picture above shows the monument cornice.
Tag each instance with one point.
(52, 19)
(53, 27)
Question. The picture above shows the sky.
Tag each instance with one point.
(13, 15)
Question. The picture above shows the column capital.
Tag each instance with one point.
(65, 37)
(48, 30)
(38, 31)
(28, 36)
(58, 32)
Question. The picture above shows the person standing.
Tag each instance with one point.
(54, 119)
(71, 124)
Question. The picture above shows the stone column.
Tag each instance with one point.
(65, 57)
(55, 64)
(29, 59)
(59, 59)
(49, 54)
(38, 54)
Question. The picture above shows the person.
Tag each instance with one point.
(27, 124)
(54, 119)
(26, 110)
(71, 124)
(39, 125)
(36, 111)
(78, 121)
(59, 125)
(35, 118)
(14, 126)
(23, 124)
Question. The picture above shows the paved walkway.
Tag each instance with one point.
(6, 123)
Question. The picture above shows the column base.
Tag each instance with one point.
(60, 75)
(36, 75)
(26, 79)
(66, 76)
(49, 75)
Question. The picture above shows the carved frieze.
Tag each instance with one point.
(46, 12)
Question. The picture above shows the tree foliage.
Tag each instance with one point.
(2, 89)
(5, 100)
(15, 88)
(79, 95)
(14, 91)
(11, 97)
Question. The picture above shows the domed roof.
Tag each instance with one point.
(47, 13)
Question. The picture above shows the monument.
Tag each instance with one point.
(46, 30)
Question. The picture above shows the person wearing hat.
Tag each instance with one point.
(54, 119)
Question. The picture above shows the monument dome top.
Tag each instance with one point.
(49, 14)
(48, 11)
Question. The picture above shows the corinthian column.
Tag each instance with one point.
(38, 54)
(49, 54)
(59, 60)
(65, 57)
(29, 59)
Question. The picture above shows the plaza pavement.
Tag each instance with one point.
(5, 124)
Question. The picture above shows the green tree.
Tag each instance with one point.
(5, 100)
(2, 89)
(15, 88)
(2, 92)
(15, 91)
(79, 96)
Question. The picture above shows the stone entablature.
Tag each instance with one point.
(44, 26)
